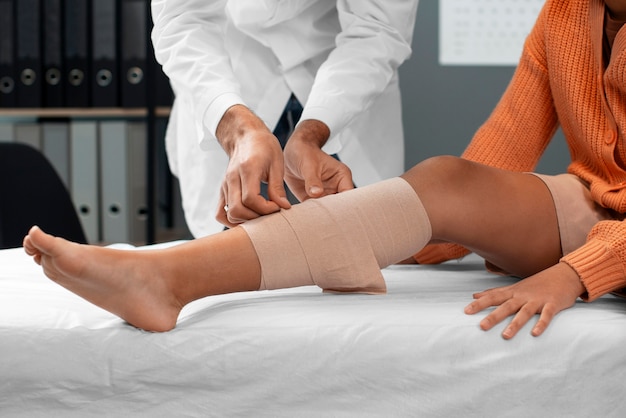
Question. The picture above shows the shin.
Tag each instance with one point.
(340, 242)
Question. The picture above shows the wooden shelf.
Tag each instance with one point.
(83, 112)
(162, 111)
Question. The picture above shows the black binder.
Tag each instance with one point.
(76, 53)
(28, 53)
(7, 55)
(163, 93)
(104, 53)
(53, 53)
(134, 17)
(164, 96)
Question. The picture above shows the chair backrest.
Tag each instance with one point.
(32, 193)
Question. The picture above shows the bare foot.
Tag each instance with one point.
(126, 283)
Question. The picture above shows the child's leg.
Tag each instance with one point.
(339, 243)
(506, 217)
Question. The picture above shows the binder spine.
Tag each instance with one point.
(53, 53)
(137, 169)
(29, 133)
(28, 50)
(84, 172)
(7, 55)
(56, 147)
(104, 65)
(114, 181)
(134, 52)
(76, 53)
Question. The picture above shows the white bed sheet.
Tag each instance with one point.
(300, 352)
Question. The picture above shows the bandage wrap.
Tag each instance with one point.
(340, 242)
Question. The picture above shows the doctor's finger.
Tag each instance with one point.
(221, 212)
(310, 172)
(236, 209)
(253, 204)
(276, 187)
(232, 211)
(345, 183)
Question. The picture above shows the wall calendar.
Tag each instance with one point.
(484, 32)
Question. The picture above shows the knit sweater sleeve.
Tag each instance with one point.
(524, 121)
(518, 130)
(600, 262)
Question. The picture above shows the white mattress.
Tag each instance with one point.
(300, 352)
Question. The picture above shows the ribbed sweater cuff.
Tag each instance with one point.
(438, 253)
(599, 269)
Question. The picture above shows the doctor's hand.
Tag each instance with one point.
(255, 156)
(545, 293)
(309, 171)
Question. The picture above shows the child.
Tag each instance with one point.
(564, 233)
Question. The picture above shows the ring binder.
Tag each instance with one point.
(84, 176)
(28, 53)
(7, 54)
(76, 53)
(134, 49)
(123, 181)
(52, 53)
(104, 65)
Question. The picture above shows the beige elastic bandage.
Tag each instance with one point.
(340, 242)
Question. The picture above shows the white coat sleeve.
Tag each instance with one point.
(189, 43)
(375, 39)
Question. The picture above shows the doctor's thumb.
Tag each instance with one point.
(314, 188)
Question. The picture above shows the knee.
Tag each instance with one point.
(444, 185)
(442, 172)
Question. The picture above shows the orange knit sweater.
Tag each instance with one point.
(562, 79)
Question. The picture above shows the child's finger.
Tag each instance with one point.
(486, 299)
(548, 313)
(520, 319)
(499, 314)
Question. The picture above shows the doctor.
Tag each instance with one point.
(239, 67)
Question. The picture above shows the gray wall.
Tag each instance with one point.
(444, 105)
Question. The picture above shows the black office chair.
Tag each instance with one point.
(32, 193)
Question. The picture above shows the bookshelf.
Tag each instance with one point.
(105, 42)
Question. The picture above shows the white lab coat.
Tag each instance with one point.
(339, 57)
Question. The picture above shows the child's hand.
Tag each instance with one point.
(545, 293)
